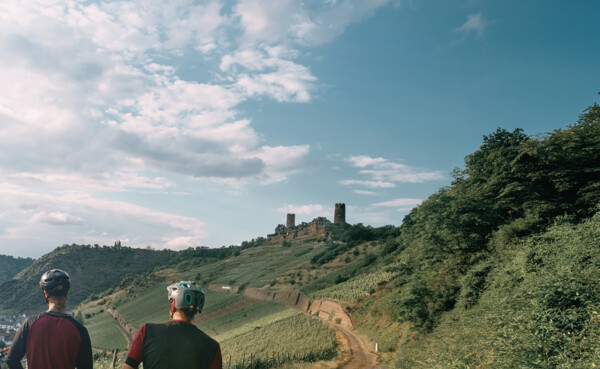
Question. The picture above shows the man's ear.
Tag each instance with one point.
(173, 306)
(46, 294)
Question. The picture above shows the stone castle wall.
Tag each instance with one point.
(318, 228)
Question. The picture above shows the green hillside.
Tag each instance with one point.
(9, 266)
(501, 269)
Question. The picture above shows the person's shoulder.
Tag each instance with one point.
(206, 337)
(68, 317)
(32, 319)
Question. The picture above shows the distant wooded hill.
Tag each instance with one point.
(93, 269)
(9, 266)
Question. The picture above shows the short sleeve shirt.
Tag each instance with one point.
(174, 344)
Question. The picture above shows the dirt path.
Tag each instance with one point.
(125, 333)
(361, 358)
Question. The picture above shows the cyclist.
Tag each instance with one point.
(177, 343)
(52, 339)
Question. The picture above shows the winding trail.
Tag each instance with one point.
(361, 357)
(124, 332)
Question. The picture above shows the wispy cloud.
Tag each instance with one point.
(475, 23)
(67, 218)
(371, 184)
(310, 209)
(400, 204)
(362, 192)
(383, 173)
(57, 218)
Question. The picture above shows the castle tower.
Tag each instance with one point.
(340, 214)
(291, 221)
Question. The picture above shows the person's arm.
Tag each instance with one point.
(85, 358)
(18, 347)
(135, 355)
(217, 362)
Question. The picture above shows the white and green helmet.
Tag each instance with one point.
(186, 295)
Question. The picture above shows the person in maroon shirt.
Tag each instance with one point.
(177, 343)
(52, 339)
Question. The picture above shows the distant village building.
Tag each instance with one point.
(9, 324)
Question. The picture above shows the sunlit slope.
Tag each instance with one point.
(267, 329)
(259, 266)
(260, 329)
(153, 306)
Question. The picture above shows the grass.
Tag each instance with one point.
(104, 333)
(153, 306)
(266, 327)
(257, 267)
(356, 288)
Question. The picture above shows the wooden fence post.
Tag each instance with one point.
(114, 363)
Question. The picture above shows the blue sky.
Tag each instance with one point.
(179, 123)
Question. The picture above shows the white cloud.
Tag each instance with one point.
(362, 161)
(371, 184)
(57, 218)
(362, 192)
(475, 23)
(90, 220)
(401, 204)
(310, 22)
(383, 173)
(310, 209)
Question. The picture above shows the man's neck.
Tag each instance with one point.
(57, 307)
(179, 316)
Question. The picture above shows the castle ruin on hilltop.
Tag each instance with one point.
(317, 228)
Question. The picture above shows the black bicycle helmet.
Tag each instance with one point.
(55, 282)
(186, 295)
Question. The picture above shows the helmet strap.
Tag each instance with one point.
(173, 306)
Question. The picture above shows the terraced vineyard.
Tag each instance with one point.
(152, 306)
(356, 288)
(263, 329)
(267, 263)
(267, 330)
